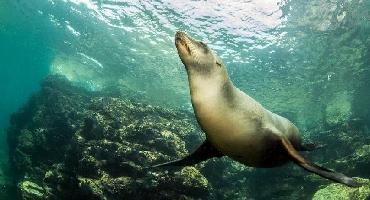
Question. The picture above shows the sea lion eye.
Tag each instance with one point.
(205, 49)
(204, 46)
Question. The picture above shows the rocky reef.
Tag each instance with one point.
(336, 191)
(69, 143)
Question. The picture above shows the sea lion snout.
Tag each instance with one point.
(193, 45)
(180, 34)
(181, 42)
(193, 53)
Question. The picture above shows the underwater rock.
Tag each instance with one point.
(94, 145)
(339, 109)
(337, 191)
(347, 146)
(192, 177)
(31, 191)
(69, 143)
(358, 162)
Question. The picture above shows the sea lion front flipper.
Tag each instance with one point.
(204, 152)
(312, 167)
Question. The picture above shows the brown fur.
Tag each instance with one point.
(235, 124)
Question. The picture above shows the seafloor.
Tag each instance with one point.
(69, 143)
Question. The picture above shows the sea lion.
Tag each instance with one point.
(235, 124)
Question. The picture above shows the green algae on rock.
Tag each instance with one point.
(192, 176)
(31, 191)
(337, 191)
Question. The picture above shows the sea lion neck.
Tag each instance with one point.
(203, 88)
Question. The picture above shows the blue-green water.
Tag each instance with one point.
(307, 60)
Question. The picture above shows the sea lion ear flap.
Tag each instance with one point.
(218, 61)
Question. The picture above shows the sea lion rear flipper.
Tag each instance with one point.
(312, 167)
(204, 152)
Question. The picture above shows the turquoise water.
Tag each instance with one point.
(24, 61)
(306, 60)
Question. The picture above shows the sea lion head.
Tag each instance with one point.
(196, 55)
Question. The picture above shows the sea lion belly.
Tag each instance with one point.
(238, 132)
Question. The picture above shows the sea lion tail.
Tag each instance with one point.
(312, 167)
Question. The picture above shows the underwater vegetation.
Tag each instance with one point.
(70, 143)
